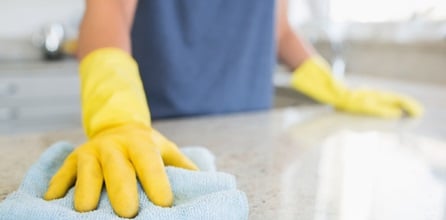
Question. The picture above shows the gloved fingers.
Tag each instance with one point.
(88, 184)
(120, 179)
(379, 103)
(371, 105)
(404, 103)
(64, 178)
(383, 110)
(150, 170)
(170, 153)
(172, 156)
(411, 106)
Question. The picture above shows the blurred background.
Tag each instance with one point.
(390, 39)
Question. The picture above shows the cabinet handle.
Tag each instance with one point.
(8, 89)
(9, 114)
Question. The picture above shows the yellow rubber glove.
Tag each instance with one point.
(314, 78)
(121, 144)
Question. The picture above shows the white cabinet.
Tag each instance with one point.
(39, 96)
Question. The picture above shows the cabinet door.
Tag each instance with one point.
(39, 96)
(17, 88)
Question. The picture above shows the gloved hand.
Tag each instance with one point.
(314, 79)
(121, 143)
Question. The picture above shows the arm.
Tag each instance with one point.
(292, 49)
(312, 76)
(106, 23)
(122, 147)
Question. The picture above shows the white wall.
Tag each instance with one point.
(20, 18)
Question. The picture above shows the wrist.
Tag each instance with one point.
(314, 79)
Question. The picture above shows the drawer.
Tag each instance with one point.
(49, 112)
(43, 86)
(41, 109)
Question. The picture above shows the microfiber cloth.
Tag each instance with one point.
(204, 194)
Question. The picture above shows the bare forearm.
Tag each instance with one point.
(292, 50)
(106, 23)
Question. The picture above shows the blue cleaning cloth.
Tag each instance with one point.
(204, 194)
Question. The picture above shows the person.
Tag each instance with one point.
(188, 58)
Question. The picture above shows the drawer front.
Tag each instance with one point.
(45, 86)
(53, 112)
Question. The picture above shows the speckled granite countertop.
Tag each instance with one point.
(262, 149)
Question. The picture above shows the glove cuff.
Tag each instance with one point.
(111, 91)
(313, 78)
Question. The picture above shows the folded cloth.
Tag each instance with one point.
(204, 194)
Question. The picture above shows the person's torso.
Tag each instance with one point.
(205, 56)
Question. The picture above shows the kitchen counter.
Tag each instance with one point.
(277, 156)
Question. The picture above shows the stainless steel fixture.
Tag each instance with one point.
(50, 40)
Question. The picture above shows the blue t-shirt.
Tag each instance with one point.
(205, 56)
